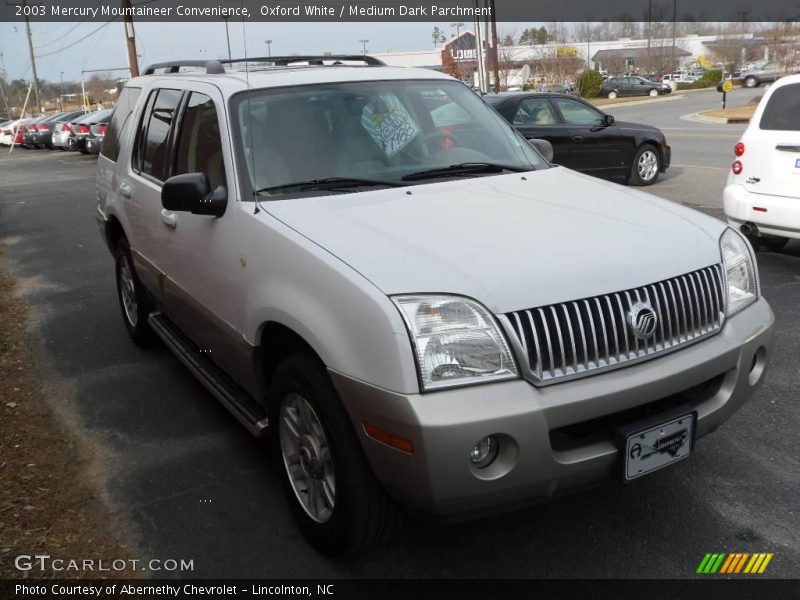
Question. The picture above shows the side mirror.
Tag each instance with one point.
(544, 148)
(608, 119)
(191, 192)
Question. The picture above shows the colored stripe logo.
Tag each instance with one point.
(734, 563)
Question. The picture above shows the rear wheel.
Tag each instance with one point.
(612, 94)
(654, 92)
(133, 300)
(338, 503)
(751, 82)
(646, 165)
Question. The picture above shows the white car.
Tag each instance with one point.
(763, 189)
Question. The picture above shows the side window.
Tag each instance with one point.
(577, 113)
(122, 112)
(534, 111)
(199, 141)
(152, 146)
(782, 112)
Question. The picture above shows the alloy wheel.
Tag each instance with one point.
(307, 457)
(647, 166)
(127, 290)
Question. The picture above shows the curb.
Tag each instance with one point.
(698, 118)
(638, 102)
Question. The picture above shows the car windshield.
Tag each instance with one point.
(374, 133)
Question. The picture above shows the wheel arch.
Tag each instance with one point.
(114, 232)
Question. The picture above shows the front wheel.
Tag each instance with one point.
(772, 243)
(646, 166)
(653, 92)
(338, 504)
(612, 95)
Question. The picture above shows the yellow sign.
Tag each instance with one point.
(566, 51)
(727, 86)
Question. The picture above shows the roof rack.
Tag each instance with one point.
(311, 59)
(214, 67)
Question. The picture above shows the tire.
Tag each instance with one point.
(313, 438)
(133, 300)
(646, 165)
(751, 82)
(771, 243)
(612, 94)
(653, 92)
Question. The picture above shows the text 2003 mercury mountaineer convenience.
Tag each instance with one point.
(409, 299)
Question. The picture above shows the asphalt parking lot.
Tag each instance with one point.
(187, 482)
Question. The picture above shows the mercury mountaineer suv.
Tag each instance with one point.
(368, 265)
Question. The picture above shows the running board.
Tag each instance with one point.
(246, 410)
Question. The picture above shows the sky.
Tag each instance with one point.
(157, 42)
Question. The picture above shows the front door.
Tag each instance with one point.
(535, 118)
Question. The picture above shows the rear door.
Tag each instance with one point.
(535, 118)
(596, 148)
(772, 150)
(140, 186)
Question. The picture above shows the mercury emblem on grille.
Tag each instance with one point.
(642, 320)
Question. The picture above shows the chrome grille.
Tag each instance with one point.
(578, 338)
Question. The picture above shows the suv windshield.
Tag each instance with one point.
(337, 136)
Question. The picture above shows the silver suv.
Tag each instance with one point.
(371, 267)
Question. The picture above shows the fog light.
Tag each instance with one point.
(484, 452)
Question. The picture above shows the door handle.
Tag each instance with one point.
(788, 147)
(577, 139)
(170, 219)
(125, 190)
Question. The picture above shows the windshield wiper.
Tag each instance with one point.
(329, 183)
(463, 168)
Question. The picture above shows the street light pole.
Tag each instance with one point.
(364, 44)
(269, 47)
(458, 27)
(227, 37)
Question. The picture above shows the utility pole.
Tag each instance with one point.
(674, 19)
(61, 94)
(2, 90)
(33, 62)
(130, 37)
(364, 44)
(495, 52)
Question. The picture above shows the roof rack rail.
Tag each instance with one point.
(312, 59)
(212, 67)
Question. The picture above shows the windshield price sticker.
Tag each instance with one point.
(389, 123)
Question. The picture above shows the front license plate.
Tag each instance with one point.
(657, 447)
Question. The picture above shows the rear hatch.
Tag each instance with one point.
(771, 158)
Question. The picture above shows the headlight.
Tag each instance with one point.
(456, 341)
(740, 271)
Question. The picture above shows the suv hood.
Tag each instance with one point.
(510, 241)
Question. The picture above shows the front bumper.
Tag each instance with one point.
(437, 477)
(781, 217)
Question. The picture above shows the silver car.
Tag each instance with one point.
(369, 266)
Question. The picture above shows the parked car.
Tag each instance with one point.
(43, 137)
(13, 132)
(762, 196)
(97, 132)
(586, 139)
(415, 312)
(63, 129)
(31, 127)
(633, 86)
(766, 73)
(81, 129)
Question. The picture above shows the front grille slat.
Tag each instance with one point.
(579, 337)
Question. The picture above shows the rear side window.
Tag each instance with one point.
(199, 141)
(534, 111)
(152, 145)
(122, 112)
(782, 112)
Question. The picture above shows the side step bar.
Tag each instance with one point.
(246, 410)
